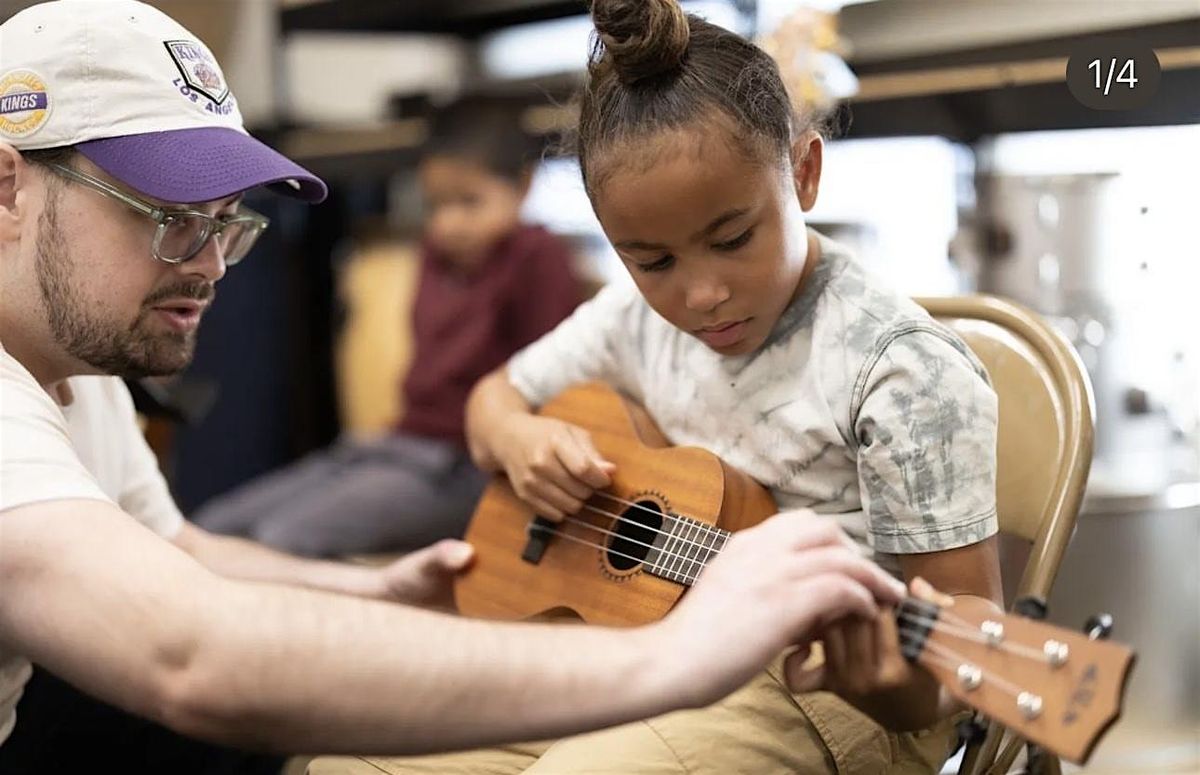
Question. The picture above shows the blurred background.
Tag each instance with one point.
(959, 163)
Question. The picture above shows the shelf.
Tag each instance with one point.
(466, 18)
(1018, 87)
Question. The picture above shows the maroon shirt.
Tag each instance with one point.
(467, 325)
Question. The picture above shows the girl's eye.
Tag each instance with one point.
(659, 265)
(736, 242)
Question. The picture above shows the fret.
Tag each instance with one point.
(710, 550)
(668, 565)
(677, 561)
(701, 542)
(658, 548)
(683, 547)
(702, 553)
(695, 571)
(691, 549)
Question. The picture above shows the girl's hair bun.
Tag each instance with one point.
(639, 39)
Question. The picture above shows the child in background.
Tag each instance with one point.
(748, 334)
(489, 285)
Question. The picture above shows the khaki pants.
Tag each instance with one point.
(761, 728)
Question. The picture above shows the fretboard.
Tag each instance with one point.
(683, 547)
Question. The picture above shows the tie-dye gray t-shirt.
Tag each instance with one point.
(858, 405)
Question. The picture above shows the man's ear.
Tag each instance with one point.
(806, 168)
(13, 174)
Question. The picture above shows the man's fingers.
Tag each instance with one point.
(451, 555)
(445, 557)
(925, 591)
(804, 529)
(837, 596)
(883, 587)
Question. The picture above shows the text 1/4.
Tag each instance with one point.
(1105, 80)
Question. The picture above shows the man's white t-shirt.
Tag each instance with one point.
(82, 443)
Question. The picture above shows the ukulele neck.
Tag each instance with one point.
(683, 547)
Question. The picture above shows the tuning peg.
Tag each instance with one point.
(1099, 626)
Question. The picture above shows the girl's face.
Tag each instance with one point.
(715, 242)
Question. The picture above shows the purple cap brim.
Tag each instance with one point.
(200, 165)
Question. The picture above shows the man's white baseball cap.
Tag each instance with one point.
(139, 96)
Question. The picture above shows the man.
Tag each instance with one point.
(122, 164)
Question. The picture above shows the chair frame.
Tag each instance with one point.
(1057, 523)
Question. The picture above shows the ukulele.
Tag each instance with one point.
(634, 548)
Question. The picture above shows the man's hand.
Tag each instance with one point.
(774, 586)
(426, 577)
(864, 665)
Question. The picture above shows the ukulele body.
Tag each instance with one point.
(605, 571)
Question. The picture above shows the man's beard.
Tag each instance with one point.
(135, 351)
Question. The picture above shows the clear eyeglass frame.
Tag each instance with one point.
(182, 233)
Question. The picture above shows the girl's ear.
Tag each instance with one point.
(806, 168)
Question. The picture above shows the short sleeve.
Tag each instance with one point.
(925, 426)
(144, 491)
(37, 459)
(590, 345)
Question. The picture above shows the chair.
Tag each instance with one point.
(1043, 458)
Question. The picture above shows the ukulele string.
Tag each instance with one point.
(668, 533)
(583, 541)
(622, 518)
(950, 659)
(640, 507)
(966, 632)
(674, 556)
(931, 652)
(697, 527)
(947, 623)
(677, 556)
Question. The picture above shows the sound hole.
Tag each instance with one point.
(635, 534)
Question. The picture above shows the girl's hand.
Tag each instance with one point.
(552, 465)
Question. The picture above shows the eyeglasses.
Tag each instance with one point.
(183, 233)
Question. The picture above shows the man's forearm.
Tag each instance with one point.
(239, 558)
(361, 676)
(270, 666)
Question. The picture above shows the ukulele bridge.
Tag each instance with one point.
(540, 530)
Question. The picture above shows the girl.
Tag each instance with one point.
(761, 340)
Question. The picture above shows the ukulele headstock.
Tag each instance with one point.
(1057, 688)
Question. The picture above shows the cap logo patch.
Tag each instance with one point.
(200, 71)
(24, 104)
